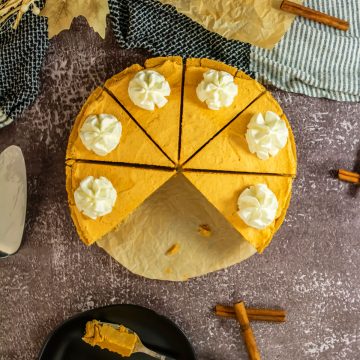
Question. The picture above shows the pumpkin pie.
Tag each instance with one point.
(229, 150)
(223, 190)
(132, 184)
(162, 124)
(186, 137)
(135, 147)
(199, 123)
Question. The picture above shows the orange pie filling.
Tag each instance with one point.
(118, 340)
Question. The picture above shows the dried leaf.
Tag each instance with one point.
(60, 14)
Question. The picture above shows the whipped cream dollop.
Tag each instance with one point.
(266, 135)
(217, 89)
(95, 196)
(101, 133)
(148, 89)
(257, 206)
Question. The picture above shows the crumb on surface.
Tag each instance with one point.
(174, 249)
(204, 230)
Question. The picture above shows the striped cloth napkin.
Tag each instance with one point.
(314, 59)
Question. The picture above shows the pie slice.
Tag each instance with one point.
(135, 146)
(229, 150)
(133, 185)
(223, 190)
(199, 123)
(162, 124)
(119, 340)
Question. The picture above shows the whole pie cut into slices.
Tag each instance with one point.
(199, 122)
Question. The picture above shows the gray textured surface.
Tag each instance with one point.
(311, 268)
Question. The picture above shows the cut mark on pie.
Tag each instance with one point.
(161, 124)
(234, 172)
(138, 124)
(181, 108)
(134, 146)
(199, 123)
(123, 164)
(222, 128)
(235, 155)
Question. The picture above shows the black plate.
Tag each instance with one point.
(156, 332)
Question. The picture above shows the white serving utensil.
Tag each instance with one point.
(13, 197)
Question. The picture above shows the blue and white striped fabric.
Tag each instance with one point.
(314, 59)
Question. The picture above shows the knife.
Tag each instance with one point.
(13, 197)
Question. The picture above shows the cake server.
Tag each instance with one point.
(13, 196)
(140, 347)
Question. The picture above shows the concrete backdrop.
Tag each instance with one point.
(311, 269)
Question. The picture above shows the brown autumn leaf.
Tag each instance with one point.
(60, 14)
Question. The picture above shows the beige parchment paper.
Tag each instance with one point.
(258, 22)
(172, 215)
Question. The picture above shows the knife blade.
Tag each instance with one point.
(13, 198)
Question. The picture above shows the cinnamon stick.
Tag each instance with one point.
(253, 317)
(253, 314)
(314, 15)
(226, 314)
(246, 330)
(349, 176)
